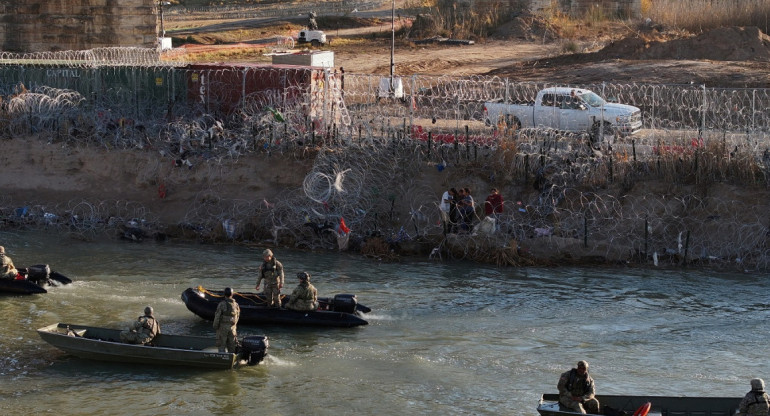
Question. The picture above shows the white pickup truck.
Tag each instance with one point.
(568, 109)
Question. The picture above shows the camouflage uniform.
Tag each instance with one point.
(225, 321)
(303, 298)
(271, 272)
(571, 384)
(756, 402)
(142, 331)
(7, 269)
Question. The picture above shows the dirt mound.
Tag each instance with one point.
(721, 44)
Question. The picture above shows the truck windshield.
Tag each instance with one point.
(592, 99)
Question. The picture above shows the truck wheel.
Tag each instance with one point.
(315, 43)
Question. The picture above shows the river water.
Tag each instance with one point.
(444, 338)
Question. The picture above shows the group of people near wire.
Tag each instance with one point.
(271, 279)
(458, 210)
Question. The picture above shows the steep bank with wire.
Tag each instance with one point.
(579, 207)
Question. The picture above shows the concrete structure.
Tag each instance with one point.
(324, 59)
(46, 25)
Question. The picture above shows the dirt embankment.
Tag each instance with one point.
(54, 176)
(723, 57)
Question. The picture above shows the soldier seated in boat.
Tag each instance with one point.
(143, 330)
(305, 296)
(577, 390)
(756, 402)
(7, 269)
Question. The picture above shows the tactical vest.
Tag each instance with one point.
(229, 311)
(573, 380)
(764, 404)
(269, 269)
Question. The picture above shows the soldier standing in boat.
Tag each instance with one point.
(143, 330)
(305, 296)
(7, 269)
(756, 402)
(226, 321)
(271, 272)
(577, 390)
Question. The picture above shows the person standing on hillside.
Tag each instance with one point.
(226, 321)
(493, 207)
(271, 272)
(467, 208)
(445, 209)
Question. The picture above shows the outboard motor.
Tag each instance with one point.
(254, 349)
(344, 303)
(39, 274)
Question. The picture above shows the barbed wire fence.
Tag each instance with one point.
(370, 148)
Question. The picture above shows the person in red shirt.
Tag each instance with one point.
(494, 207)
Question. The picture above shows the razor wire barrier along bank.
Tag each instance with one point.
(371, 147)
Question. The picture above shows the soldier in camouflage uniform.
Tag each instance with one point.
(7, 269)
(271, 271)
(143, 330)
(305, 296)
(756, 402)
(225, 321)
(577, 390)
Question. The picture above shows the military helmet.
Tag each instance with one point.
(148, 311)
(228, 292)
(757, 384)
(304, 276)
(267, 253)
(583, 364)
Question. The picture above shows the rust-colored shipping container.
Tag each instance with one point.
(222, 89)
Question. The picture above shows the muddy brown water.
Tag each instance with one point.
(444, 338)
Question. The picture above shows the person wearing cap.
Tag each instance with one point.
(143, 330)
(7, 269)
(226, 321)
(756, 402)
(271, 272)
(577, 390)
(305, 296)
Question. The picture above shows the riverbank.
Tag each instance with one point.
(636, 215)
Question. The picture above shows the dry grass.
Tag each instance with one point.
(233, 54)
(672, 14)
(711, 13)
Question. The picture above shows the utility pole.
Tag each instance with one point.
(392, 45)
(162, 3)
